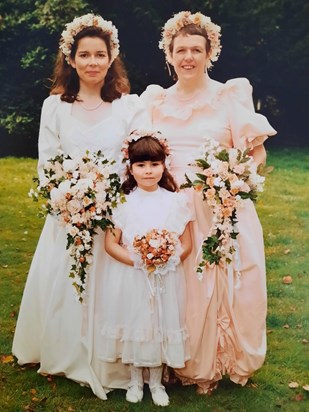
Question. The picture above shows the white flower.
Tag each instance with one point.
(88, 20)
(64, 187)
(155, 243)
(69, 200)
(84, 184)
(69, 165)
(72, 230)
(74, 206)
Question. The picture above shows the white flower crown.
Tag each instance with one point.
(138, 134)
(80, 23)
(184, 18)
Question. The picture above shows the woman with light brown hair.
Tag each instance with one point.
(226, 323)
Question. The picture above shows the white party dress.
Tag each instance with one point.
(53, 328)
(143, 321)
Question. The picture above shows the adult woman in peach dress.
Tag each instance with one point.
(226, 324)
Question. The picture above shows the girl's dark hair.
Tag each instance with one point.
(191, 29)
(141, 150)
(65, 80)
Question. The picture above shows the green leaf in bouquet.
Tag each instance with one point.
(223, 155)
(202, 178)
(202, 163)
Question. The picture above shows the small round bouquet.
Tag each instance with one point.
(81, 192)
(227, 178)
(158, 251)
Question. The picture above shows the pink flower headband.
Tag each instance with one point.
(138, 134)
(184, 18)
(80, 23)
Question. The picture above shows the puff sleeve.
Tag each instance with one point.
(152, 97)
(249, 129)
(132, 114)
(49, 141)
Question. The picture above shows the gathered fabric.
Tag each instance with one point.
(226, 310)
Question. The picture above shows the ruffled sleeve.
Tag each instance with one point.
(132, 113)
(49, 141)
(152, 93)
(249, 129)
(181, 213)
(152, 97)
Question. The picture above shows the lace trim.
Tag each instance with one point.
(156, 96)
(183, 111)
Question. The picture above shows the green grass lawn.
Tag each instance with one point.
(284, 212)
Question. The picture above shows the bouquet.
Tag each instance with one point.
(81, 192)
(158, 251)
(226, 179)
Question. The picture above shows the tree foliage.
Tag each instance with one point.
(264, 40)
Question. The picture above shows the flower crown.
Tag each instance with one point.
(138, 134)
(184, 18)
(80, 23)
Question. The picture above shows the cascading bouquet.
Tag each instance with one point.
(81, 192)
(227, 178)
(157, 252)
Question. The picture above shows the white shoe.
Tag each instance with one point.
(134, 394)
(159, 396)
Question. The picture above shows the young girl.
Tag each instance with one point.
(143, 322)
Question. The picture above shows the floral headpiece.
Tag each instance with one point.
(138, 134)
(80, 23)
(184, 18)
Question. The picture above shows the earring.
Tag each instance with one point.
(169, 69)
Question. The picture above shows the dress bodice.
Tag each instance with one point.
(144, 211)
(223, 112)
(59, 130)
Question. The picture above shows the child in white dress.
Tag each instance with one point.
(143, 322)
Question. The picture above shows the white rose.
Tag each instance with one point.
(72, 230)
(154, 243)
(84, 184)
(74, 206)
(64, 186)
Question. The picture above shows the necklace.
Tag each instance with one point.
(91, 109)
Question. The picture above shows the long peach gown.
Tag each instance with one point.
(226, 324)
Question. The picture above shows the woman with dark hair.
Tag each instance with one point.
(226, 309)
(143, 323)
(89, 110)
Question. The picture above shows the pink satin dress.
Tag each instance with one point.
(226, 324)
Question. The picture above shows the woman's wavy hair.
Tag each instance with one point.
(147, 148)
(65, 80)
